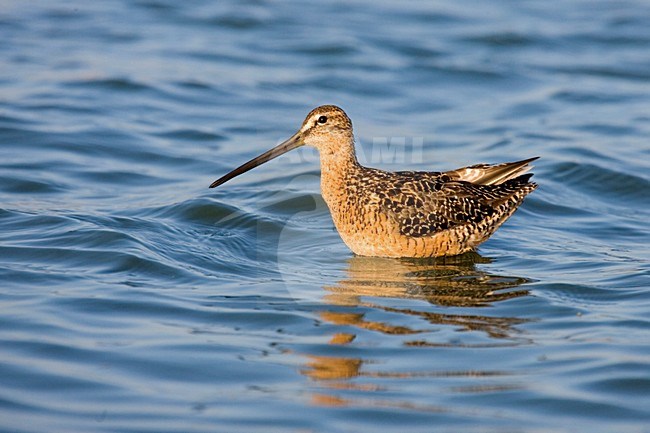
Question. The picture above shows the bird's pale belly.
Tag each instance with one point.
(371, 233)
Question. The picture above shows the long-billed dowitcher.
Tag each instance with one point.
(404, 213)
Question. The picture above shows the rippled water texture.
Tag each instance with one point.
(133, 298)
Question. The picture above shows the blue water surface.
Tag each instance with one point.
(135, 299)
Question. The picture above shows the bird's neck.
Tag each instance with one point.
(336, 172)
(339, 163)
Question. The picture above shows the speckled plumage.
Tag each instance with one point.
(407, 213)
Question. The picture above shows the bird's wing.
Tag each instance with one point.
(422, 203)
(491, 174)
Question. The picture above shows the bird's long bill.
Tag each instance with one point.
(292, 143)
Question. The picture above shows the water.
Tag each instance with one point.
(134, 298)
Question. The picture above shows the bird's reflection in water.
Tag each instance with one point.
(372, 298)
(450, 281)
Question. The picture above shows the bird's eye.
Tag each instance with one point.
(322, 119)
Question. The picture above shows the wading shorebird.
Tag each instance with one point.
(404, 213)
